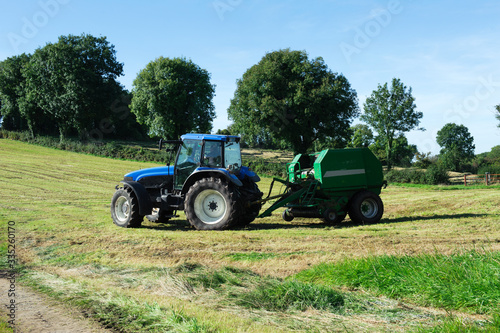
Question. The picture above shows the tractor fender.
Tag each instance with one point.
(246, 172)
(209, 172)
(145, 206)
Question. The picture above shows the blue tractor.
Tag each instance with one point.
(207, 181)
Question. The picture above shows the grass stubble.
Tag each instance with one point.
(171, 277)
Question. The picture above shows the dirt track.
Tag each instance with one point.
(38, 313)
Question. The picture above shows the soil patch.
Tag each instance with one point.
(36, 312)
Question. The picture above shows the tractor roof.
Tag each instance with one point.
(213, 137)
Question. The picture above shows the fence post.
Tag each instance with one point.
(465, 180)
(486, 177)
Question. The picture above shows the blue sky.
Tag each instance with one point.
(448, 52)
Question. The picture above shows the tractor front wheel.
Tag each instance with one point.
(366, 207)
(211, 204)
(125, 209)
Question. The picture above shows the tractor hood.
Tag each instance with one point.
(150, 172)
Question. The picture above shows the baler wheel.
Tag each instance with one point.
(331, 217)
(366, 207)
(287, 215)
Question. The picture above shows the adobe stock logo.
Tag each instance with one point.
(372, 28)
(224, 6)
(485, 88)
(31, 25)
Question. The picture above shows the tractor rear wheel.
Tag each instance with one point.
(125, 209)
(211, 204)
(366, 207)
(249, 193)
(248, 215)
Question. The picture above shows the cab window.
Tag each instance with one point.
(212, 154)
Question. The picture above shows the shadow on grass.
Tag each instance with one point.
(350, 223)
(174, 225)
(435, 217)
(304, 223)
(260, 224)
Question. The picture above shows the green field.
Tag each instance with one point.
(273, 276)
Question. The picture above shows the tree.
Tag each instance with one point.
(402, 153)
(391, 112)
(223, 131)
(457, 145)
(293, 99)
(329, 142)
(260, 139)
(74, 81)
(362, 136)
(172, 97)
(11, 90)
(424, 160)
(494, 155)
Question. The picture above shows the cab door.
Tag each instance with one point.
(188, 159)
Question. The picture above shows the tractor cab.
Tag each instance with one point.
(200, 152)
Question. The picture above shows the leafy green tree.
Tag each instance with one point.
(391, 112)
(223, 132)
(362, 136)
(494, 155)
(11, 90)
(457, 145)
(291, 98)
(424, 160)
(330, 143)
(488, 161)
(256, 138)
(172, 97)
(74, 81)
(121, 123)
(402, 153)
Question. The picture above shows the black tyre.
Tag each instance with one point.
(211, 204)
(366, 207)
(287, 215)
(248, 215)
(160, 215)
(331, 217)
(249, 193)
(125, 209)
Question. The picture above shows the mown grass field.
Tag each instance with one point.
(273, 276)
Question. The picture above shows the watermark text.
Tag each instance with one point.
(31, 25)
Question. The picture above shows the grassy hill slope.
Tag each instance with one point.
(171, 277)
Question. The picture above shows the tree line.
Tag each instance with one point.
(286, 101)
(66, 88)
(70, 88)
